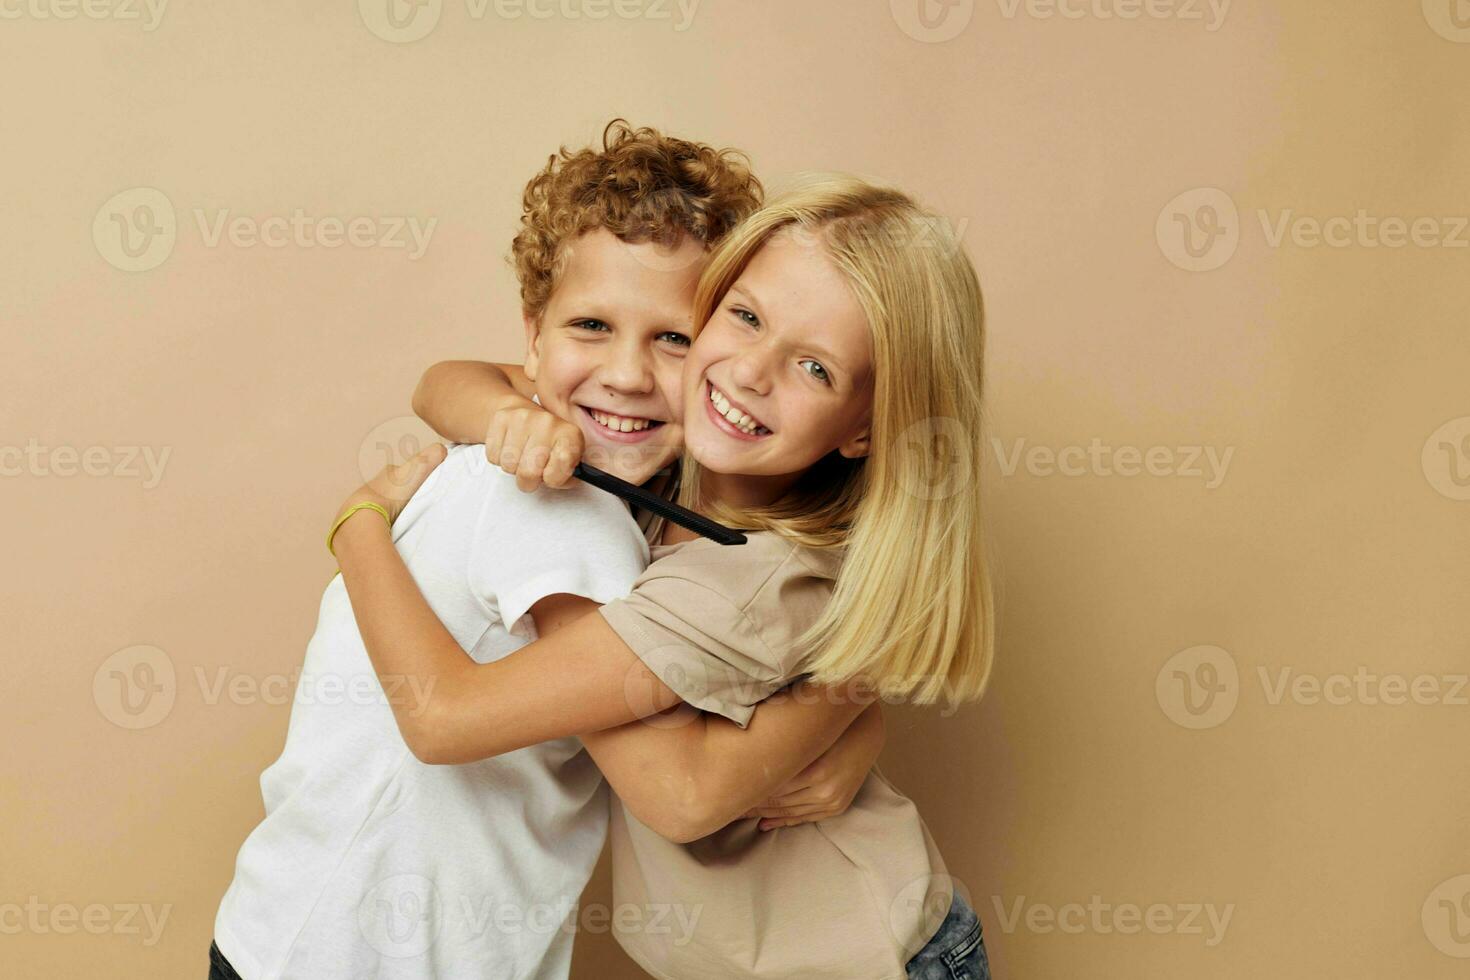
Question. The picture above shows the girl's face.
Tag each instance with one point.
(782, 374)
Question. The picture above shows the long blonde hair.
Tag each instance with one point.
(912, 611)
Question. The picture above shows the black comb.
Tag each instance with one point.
(681, 516)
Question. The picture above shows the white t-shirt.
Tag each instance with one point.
(368, 862)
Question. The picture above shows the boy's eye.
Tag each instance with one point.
(817, 371)
(674, 337)
(596, 326)
(747, 317)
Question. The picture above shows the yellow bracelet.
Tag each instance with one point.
(365, 505)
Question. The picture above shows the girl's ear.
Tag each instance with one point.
(859, 445)
(533, 344)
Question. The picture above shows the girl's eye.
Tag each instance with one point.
(746, 317)
(817, 371)
(594, 326)
(674, 337)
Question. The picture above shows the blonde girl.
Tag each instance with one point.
(842, 332)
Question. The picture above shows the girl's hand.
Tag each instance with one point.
(533, 445)
(394, 485)
(827, 787)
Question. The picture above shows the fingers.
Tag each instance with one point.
(566, 452)
(495, 438)
(798, 810)
(513, 446)
(533, 464)
(789, 822)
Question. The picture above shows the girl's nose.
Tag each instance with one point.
(753, 368)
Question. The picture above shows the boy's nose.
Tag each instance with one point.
(627, 369)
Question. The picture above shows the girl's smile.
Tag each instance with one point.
(732, 418)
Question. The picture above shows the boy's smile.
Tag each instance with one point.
(607, 350)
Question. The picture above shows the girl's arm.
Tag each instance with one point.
(684, 774)
(472, 401)
(687, 773)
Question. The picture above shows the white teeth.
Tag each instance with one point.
(732, 414)
(620, 423)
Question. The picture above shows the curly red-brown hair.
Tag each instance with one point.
(641, 186)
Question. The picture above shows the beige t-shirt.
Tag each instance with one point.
(848, 898)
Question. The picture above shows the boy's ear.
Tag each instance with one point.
(533, 344)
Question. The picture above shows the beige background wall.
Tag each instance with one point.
(1138, 744)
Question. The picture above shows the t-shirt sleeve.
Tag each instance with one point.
(579, 541)
(718, 627)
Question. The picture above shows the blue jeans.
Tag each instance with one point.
(957, 951)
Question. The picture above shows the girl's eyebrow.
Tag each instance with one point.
(745, 291)
(826, 352)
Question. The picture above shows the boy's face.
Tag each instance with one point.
(607, 350)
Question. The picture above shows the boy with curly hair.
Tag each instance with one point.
(370, 862)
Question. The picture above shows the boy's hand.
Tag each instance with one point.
(533, 445)
(827, 787)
